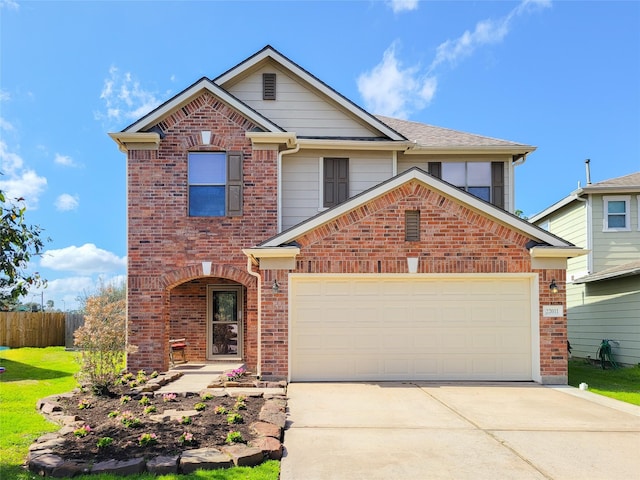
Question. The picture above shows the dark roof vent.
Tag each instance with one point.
(268, 86)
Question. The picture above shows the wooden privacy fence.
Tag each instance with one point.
(38, 329)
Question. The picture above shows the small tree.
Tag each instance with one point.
(18, 243)
(102, 339)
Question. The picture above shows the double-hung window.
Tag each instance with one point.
(473, 177)
(616, 213)
(215, 184)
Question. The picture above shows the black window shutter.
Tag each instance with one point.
(335, 181)
(435, 169)
(268, 86)
(412, 225)
(234, 184)
(497, 184)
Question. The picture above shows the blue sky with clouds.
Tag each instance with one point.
(563, 76)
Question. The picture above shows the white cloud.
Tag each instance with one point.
(6, 126)
(64, 160)
(9, 4)
(124, 98)
(392, 90)
(402, 5)
(389, 89)
(18, 183)
(10, 162)
(66, 202)
(85, 260)
(4, 95)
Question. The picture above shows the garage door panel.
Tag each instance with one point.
(420, 329)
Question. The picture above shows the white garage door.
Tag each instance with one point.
(410, 328)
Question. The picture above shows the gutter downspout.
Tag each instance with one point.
(259, 278)
(279, 193)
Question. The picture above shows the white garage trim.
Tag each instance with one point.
(302, 288)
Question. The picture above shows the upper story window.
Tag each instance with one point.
(215, 184)
(474, 177)
(335, 181)
(616, 213)
(485, 180)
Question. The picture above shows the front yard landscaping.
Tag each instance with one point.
(26, 380)
(621, 383)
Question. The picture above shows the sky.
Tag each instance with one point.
(563, 76)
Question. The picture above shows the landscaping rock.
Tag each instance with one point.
(163, 464)
(44, 465)
(273, 413)
(244, 456)
(70, 469)
(269, 446)
(173, 415)
(264, 429)
(120, 467)
(205, 458)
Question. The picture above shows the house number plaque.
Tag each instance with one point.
(552, 311)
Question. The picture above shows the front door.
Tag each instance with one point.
(225, 322)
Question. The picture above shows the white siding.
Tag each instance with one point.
(302, 180)
(607, 310)
(614, 248)
(297, 107)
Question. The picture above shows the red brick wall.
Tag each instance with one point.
(166, 246)
(454, 238)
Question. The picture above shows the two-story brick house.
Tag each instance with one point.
(273, 221)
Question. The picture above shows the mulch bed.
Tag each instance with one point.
(104, 415)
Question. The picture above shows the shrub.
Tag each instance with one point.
(234, 437)
(234, 418)
(102, 338)
(104, 442)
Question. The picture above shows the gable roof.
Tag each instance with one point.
(429, 137)
(255, 61)
(415, 173)
(625, 184)
(204, 84)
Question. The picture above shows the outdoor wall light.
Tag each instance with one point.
(275, 287)
(205, 136)
(206, 268)
(553, 287)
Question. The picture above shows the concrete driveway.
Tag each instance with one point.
(457, 431)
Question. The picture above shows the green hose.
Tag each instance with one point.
(604, 353)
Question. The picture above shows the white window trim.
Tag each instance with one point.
(321, 207)
(605, 213)
(638, 199)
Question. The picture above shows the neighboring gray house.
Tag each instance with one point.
(603, 287)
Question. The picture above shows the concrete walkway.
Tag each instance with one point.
(197, 376)
(457, 431)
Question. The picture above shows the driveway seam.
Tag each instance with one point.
(487, 432)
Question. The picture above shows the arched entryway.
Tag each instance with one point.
(216, 316)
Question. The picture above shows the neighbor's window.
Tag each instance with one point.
(473, 177)
(616, 214)
(215, 184)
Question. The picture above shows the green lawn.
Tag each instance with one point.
(621, 383)
(34, 373)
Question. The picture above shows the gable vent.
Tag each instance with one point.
(412, 225)
(268, 86)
